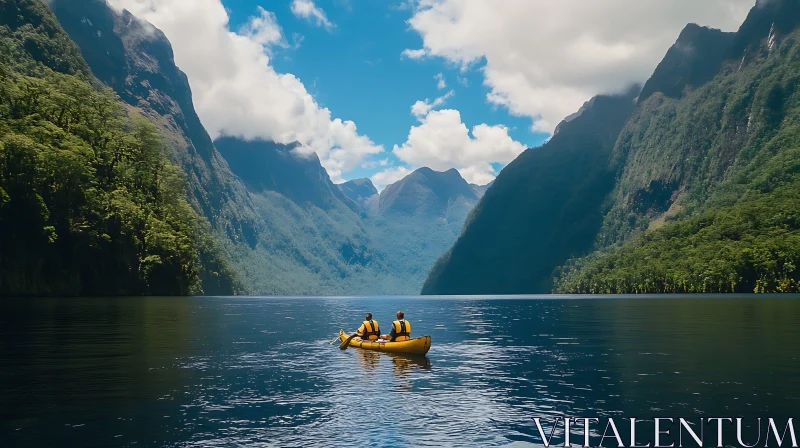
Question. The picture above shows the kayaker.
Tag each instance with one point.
(401, 329)
(369, 330)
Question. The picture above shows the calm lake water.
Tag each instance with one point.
(261, 372)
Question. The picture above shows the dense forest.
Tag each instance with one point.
(705, 183)
(89, 203)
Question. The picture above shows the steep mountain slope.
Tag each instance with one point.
(316, 241)
(692, 61)
(89, 205)
(543, 207)
(285, 225)
(697, 183)
(480, 190)
(268, 166)
(713, 177)
(425, 192)
(136, 60)
(359, 191)
(322, 242)
(418, 218)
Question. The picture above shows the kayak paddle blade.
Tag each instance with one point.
(347, 342)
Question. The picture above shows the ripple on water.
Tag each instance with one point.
(244, 372)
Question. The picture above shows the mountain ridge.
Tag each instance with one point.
(426, 192)
(699, 183)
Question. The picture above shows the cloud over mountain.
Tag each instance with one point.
(237, 92)
(442, 141)
(543, 59)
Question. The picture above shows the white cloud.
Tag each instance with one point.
(442, 142)
(414, 54)
(375, 163)
(421, 108)
(306, 9)
(544, 59)
(463, 81)
(441, 83)
(389, 176)
(237, 92)
(263, 29)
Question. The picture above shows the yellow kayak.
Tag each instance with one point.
(415, 346)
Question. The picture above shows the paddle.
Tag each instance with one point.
(334, 340)
(347, 342)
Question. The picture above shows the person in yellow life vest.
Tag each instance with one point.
(401, 329)
(369, 330)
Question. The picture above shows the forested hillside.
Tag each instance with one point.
(713, 207)
(705, 182)
(286, 228)
(89, 203)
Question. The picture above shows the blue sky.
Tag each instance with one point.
(357, 71)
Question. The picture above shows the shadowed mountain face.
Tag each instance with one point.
(544, 206)
(426, 193)
(267, 166)
(692, 61)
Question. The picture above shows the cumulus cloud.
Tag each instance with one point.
(414, 54)
(441, 83)
(306, 9)
(263, 29)
(544, 59)
(237, 92)
(389, 176)
(421, 108)
(442, 141)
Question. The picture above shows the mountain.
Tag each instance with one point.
(89, 205)
(697, 192)
(708, 208)
(359, 190)
(480, 190)
(416, 219)
(543, 207)
(136, 60)
(286, 228)
(693, 60)
(329, 239)
(425, 192)
(267, 166)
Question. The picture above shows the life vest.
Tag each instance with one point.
(371, 330)
(402, 330)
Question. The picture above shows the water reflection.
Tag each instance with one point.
(369, 360)
(236, 372)
(407, 363)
